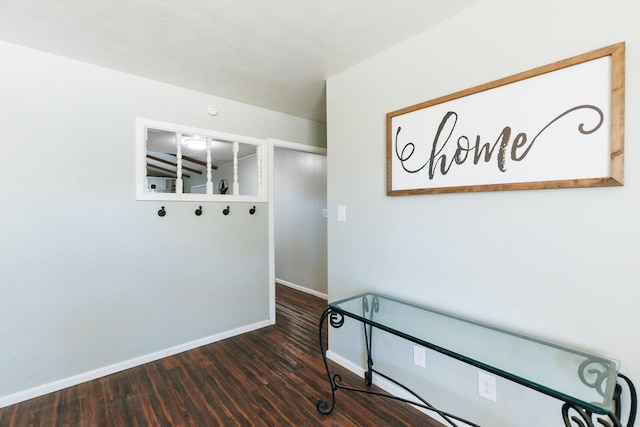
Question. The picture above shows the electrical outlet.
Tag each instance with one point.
(487, 386)
(419, 355)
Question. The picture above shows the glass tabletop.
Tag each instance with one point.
(568, 374)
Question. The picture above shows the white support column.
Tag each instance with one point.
(209, 186)
(259, 168)
(236, 186)
(146, 169)
(179, 162)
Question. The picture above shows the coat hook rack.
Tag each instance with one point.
(162, 212)
(252, 210)
(199, 211)
(226, 211)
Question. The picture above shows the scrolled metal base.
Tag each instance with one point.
(575, 416)
(336, 320)
(633, 399)
(368, 377)
(593, 373)
(323, 406)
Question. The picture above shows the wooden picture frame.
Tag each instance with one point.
(557, 126)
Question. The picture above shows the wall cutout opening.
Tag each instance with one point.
(176, 162)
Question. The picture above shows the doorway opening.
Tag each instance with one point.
(299, 203)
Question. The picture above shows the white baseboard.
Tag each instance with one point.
(30, 393)
(383, 383)
(302, 289)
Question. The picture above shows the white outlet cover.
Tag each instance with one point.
(419, 355)
(487, 386)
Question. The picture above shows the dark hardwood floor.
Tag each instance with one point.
(269, 377)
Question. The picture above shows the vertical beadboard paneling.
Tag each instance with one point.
(300, 230)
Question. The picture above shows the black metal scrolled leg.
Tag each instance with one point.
(336, 320)
(575, 416)
(323, 406)
(633, 400)
(368, 335)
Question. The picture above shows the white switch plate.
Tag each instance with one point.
(342, 213)
(419, 355)
(325, 213)
(487, 386)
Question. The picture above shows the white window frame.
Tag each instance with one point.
(142, 192)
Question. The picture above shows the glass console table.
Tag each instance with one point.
(588, 384)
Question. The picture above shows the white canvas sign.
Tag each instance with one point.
(556, 126)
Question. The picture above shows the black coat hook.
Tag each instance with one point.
(162, 212)
(226, 211)
(252, 210)
(199, 211)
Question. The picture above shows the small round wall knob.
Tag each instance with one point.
(212, 109)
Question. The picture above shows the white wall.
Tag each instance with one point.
(556, 264)
(300, 181)
(247, 175)
(90, 278)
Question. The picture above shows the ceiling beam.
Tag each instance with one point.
(175, 165)
(196, 161)
(166, 170)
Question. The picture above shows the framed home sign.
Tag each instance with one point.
(556, 126)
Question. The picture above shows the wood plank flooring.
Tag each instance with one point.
(269, 377)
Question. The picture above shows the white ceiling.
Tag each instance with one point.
(274, 54)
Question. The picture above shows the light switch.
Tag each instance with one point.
(342, 213)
